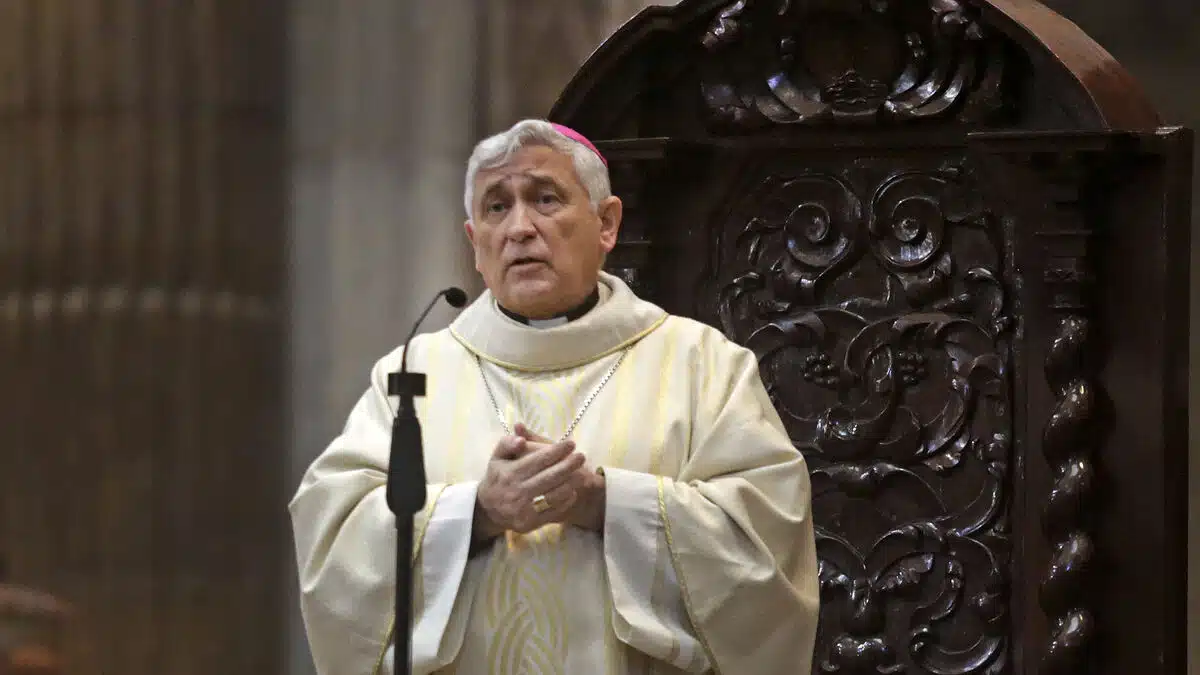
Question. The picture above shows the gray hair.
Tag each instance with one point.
(498, 150)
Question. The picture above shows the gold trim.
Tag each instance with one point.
(563, 366)
(391, 629)
(665, 376)
(683, 589)
(387, 639)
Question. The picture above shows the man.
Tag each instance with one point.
(610, 488)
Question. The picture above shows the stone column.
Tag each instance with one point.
(141, 266)
(383, 119)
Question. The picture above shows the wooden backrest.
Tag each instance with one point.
(956, 235)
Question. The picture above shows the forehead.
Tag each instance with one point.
(536, 163)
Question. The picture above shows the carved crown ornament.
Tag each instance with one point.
(844, 62)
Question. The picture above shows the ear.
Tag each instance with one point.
(470, 229)
(610, 211)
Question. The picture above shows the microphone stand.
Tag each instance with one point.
(406, 483)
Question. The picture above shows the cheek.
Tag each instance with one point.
(485, 249)
(559, 233)
(494, 243)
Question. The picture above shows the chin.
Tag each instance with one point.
(529, 297)
(531, 286)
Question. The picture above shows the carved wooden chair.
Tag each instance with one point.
(956, 235)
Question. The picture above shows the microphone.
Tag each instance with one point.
(404, 384)
(406, 481)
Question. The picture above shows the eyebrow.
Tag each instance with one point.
(540, 180)
(492, 189)
(537, 179)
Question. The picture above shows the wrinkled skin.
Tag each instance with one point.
(539, 244)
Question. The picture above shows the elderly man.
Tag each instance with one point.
(610, 488)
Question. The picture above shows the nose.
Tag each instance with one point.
(520, 223)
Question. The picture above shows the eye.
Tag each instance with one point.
(548, 199)
(495, 207)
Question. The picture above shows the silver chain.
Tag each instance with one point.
(578, 416)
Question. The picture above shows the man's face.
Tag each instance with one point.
(538, 243)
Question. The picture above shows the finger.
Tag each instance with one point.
(529, 434)
(561, 505)
(560, 473)
(541, 458)
(509, 447)
(557, 497)
(561, 501)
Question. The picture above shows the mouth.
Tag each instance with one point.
(520, 263)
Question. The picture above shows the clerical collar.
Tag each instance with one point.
(619, 319)
(559, 319)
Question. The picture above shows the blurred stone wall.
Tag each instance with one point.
(141, 296)
(532, 48)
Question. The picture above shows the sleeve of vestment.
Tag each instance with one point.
(345, 538)
(716, 568)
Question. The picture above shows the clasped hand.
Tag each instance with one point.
(525, 466)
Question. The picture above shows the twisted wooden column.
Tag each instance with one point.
(1069, 437)
(141, 239)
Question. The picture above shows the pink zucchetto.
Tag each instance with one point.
(579, 138)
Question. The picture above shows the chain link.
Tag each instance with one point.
(578, 416)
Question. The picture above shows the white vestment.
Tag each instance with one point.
(707, 560)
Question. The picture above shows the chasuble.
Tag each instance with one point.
(706, 562)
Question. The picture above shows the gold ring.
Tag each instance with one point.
(541, 504)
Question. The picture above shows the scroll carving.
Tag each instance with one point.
(806, 62)
(877, 305)
(1069, 437)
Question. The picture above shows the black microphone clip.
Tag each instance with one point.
(406, 385)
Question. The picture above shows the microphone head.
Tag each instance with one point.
(456, 297)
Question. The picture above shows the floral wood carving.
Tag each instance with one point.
(805, 62)
(876, 303)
